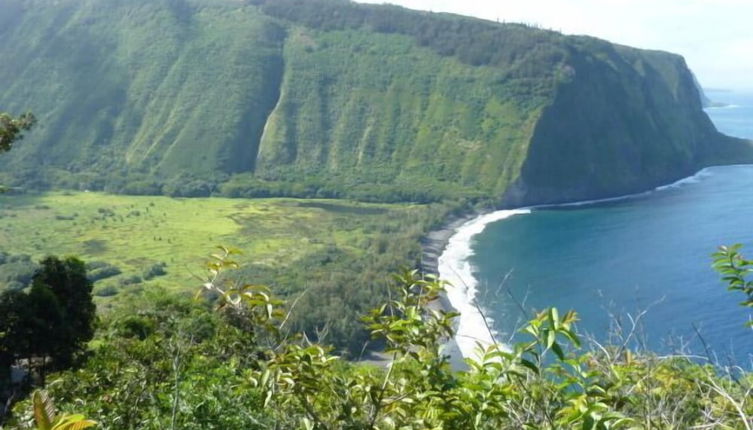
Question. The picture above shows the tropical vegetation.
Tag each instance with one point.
(229, 360)
(170, 102)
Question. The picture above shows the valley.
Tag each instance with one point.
(228, 214)
(341, 251)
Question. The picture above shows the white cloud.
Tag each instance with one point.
(713, 35)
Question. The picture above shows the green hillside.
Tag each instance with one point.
(330, 98)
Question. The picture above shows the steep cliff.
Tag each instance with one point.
(328, 97)
(627, 121)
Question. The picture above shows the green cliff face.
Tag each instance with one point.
(328, 97)
(627, 121)
(157, 86)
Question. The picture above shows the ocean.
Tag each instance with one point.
(640, 265)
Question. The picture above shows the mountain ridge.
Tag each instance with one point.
(333, 98)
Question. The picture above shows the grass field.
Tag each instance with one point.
(135, 233)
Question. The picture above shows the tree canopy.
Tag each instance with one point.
(52, 321)
(11, 129)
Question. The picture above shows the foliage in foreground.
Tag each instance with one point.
(46, 418)
(735, 268)
(177, 364)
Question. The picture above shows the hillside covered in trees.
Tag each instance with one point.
(332, 98)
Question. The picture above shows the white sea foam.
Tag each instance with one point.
(701, 174)
(726, 106)
(454, 267)
(705, 173)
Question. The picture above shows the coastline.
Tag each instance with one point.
(473, 330)
(446, 252)
(435, 242)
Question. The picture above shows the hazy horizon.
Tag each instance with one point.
(712, 35)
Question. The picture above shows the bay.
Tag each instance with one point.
(647, 258)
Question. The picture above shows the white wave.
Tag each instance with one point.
(694, 179)
(726, 106)
(454, 267)
(704, 173)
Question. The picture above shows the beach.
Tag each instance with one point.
(472, 330)
(446, 253)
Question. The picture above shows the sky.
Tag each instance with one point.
(714, 36)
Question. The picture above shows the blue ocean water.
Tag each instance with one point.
(612, 261)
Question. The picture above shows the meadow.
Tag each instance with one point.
(136, 242)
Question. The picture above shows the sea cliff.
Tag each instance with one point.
(338, 99)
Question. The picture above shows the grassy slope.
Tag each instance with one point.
(339, 253)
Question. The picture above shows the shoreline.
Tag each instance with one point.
(472, 327)
(435, 242)
(473, 330)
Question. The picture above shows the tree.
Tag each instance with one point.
(66, 280)
(15, 335)
(54, 320)
(50, 323)
(31, 327)
(11, 129)
(47, 329)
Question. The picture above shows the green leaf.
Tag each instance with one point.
(44, 410)
(530, 365)
(558, 351)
